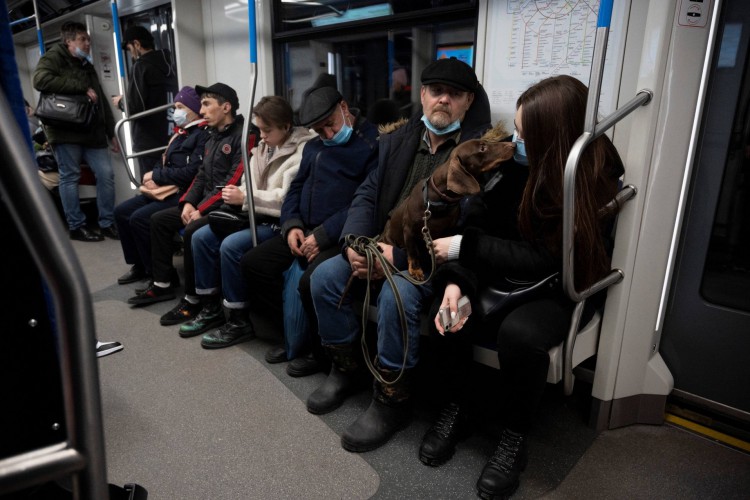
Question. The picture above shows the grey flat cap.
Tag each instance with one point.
(318, 104)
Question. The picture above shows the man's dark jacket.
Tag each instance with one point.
(60, 72)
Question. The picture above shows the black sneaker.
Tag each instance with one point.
(151, 295)
(276, 354)
(500, 477)
(107, 348)
(183, 311)
(439, 443)
(307, 365)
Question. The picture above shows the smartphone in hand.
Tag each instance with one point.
(464, 310)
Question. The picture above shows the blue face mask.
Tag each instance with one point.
(342, 136)
(520, 154)
(83, 55)
(441, 131)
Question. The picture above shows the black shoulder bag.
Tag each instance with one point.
(228, 219)
(510, 293)
(76, 112)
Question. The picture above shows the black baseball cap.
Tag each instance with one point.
(451, 72)
(224, 91)
(137, 33)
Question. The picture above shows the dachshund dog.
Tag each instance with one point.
(450, 182)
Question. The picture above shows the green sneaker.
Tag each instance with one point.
(211, 316)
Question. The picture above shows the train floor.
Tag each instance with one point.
(188, 423)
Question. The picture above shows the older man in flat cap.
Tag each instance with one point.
(407, 155)
(333, 166)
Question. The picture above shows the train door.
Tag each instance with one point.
(706, 335)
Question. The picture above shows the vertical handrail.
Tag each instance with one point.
(120, 59)
(591, 131)
(39, 35)
(248, 119)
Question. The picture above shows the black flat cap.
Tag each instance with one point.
(317, 104)
(451, 72)
(224, 91)
(137, 33)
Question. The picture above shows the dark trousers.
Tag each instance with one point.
(163, 226)
(263, 267)
(523, 338)
(133, 219)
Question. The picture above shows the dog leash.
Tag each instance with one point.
(369, 248)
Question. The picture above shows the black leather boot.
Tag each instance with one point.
(439, 443)
(500, 477)
(388, 413)
(345, 378)
(237, 328)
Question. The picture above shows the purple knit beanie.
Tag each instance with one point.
(189, 98)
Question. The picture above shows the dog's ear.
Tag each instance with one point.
(459, 180)
(503, 150)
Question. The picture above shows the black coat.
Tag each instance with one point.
(183, 158)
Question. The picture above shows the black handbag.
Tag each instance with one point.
(76, 112)
(510, 293)
(227, 220)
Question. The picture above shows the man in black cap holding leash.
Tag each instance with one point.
(455, 109)
(152, 83)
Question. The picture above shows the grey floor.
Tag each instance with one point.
(187, 423)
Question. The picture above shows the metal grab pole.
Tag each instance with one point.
(248, 118)
(39, 36)
(125, 156)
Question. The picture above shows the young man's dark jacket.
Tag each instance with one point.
(379, 193)
(60, 72)
(153, 83)
(320, 194)
(222, 166)
(183, 157)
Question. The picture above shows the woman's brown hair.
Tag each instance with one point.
(274, 111)
(553, 117)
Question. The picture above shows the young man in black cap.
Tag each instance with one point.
(333, 166)
(222, 165)
(455, 109)
(152, 83)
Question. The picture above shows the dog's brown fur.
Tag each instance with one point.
(453, 179)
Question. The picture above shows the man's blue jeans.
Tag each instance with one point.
(69, 158)
(342, 325)
(217, 262)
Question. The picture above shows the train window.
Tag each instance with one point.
(726, 275)
(371, 60)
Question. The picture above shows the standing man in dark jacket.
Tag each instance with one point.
(66, 68)
(152, 83)
(451, 115)
(314, 210)
(222, 165)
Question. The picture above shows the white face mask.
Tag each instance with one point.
(180, 117)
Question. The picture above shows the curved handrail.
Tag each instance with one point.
(118, 128)
(569, 180)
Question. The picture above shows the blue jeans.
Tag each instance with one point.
(217, 262)
(342, 325)
(69, 158)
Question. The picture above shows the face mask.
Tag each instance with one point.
(83, 55)
(180, 117)
(441, 131)
(520, 154)
(342, 136)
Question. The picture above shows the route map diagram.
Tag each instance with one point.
(529, 40)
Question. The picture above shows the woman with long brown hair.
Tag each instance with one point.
(514, 230)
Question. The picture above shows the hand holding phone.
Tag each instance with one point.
(449, 319)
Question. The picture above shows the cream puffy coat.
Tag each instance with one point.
(279, 172)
